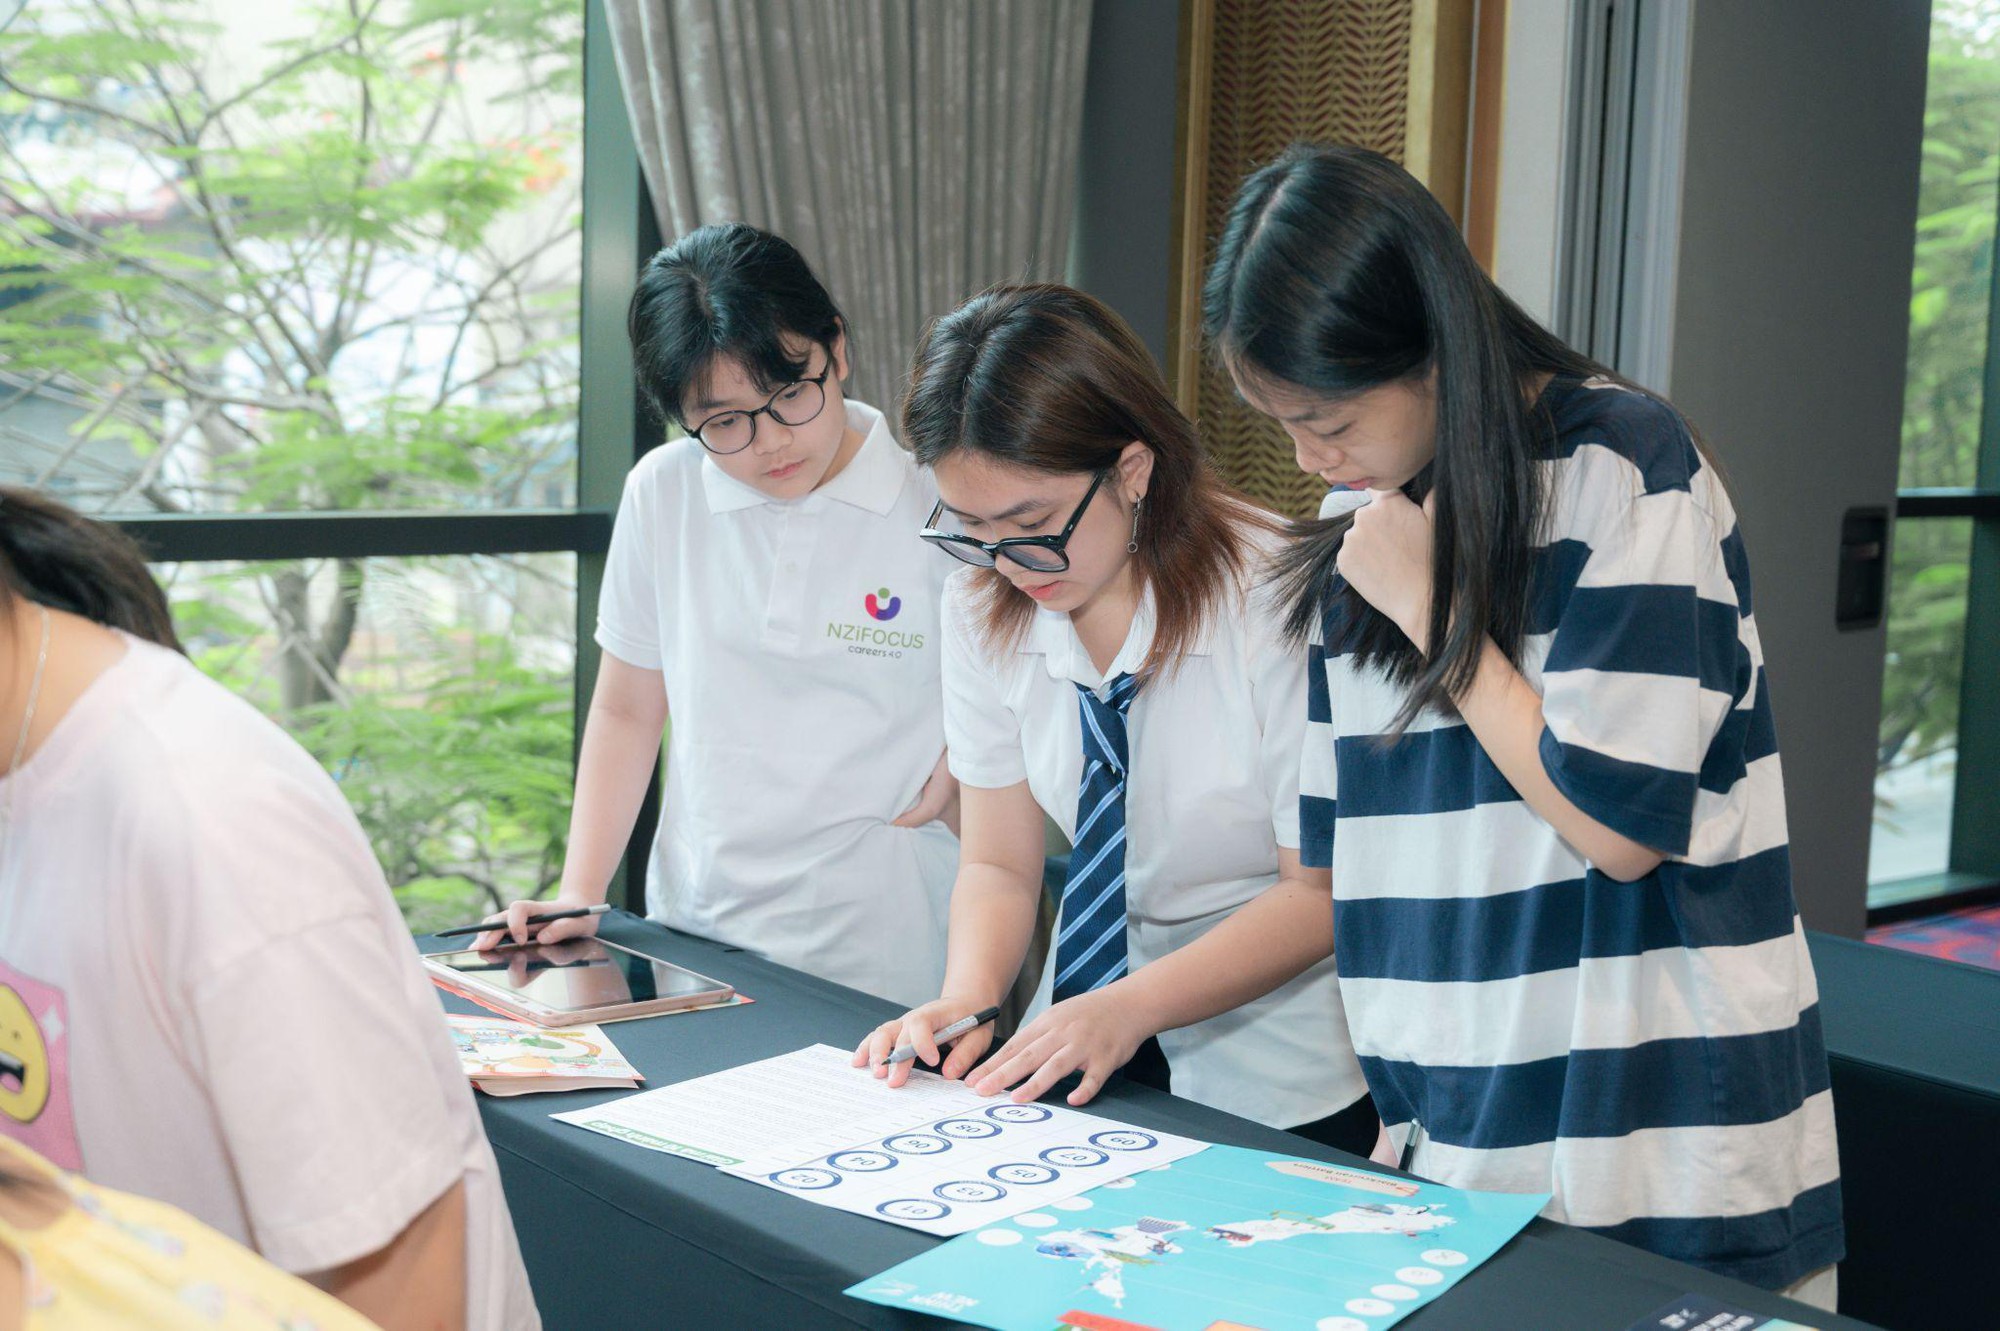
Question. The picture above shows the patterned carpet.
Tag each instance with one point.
(1971, 936)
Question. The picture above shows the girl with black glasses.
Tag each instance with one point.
(1109, 662)
(763, 579)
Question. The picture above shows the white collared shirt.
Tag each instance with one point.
(799, 641)
(1212, 796)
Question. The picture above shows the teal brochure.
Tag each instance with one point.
(1225, 1240)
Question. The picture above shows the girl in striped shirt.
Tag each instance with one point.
(1541, 761)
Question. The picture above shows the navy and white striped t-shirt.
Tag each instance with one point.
(1649, 1052)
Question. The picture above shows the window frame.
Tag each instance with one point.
(1972, 873)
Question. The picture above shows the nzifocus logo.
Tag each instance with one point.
(870, 640)
(880, 605)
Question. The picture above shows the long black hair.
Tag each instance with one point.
(1337, 273)
(55, 556)
(725, 290)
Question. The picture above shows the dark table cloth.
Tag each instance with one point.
(620, 1237)
(1914, 1044)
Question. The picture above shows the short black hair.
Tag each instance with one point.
(725, 290)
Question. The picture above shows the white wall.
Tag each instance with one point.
(1798, 216)
(1534, 98)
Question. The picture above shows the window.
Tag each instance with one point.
(1937, 833)
(296, 292)
(445, 713)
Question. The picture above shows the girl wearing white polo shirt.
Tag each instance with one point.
(762, 579)
(1541, 761)
(1108, 661)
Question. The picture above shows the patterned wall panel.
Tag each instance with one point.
(1280, 70)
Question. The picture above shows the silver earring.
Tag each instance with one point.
(1132, 546)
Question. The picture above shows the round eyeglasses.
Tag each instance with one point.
(797, 403)
(1037, 554)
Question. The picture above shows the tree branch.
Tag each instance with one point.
(271, 76)
(83, 107)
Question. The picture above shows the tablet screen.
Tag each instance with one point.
(576, 973)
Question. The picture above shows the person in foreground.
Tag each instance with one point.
(1541, 762)
(207, 992)
(75, 1257)
(1110, 663)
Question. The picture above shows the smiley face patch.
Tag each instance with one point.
(24, 1060)
(35, 1104)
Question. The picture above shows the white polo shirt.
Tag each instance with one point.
(1213, 794)
(800, 646)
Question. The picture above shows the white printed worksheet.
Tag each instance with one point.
(930, 1156)
(774, 1111)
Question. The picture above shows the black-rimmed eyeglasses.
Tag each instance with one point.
(1038, 554)
(797, 403)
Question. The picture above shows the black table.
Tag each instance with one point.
(1914, 1044)
(617, 1236)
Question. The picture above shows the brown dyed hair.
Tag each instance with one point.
(1047, 378)
(56, 557)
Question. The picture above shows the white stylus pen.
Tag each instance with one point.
(951, 1032)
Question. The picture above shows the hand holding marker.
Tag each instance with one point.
(951, 1032)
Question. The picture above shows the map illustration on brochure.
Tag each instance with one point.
(1227, 1238)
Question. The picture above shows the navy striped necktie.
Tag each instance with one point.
(1090, 933)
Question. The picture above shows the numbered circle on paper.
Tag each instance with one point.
(1020, 1113)
(917, 1143)
(969, 1190)
(1073, 1157)
(967, 1129)
(914, 1208)
(1125, 1139)
(861, 1162)
(1370, 1307)
(1394, 1293)
(1445, 1257)
(1022, 1174)
(1419, 1275)
(805, 1180)
(1340, 1324)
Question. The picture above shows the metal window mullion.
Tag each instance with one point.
(1975, 805)
(1975, 808)
(607, 427)
(178, 538)
(1588, 176)
(1583, 178)
(1947, 502)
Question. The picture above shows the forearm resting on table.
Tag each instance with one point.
(614, 769)
(1505, 715)
(1267, 942)
(417, 1282)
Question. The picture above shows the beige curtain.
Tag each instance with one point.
(916, 151)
